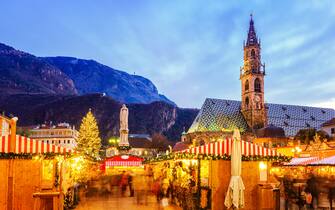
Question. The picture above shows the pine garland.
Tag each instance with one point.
(28, 156)
(217, 157)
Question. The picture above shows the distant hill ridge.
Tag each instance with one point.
(90, 76)
(21, 72)
(157, 117)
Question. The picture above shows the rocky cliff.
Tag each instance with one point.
(21, 72)
(157, 117)
(90, 76)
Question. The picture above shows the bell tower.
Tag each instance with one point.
(252, 80)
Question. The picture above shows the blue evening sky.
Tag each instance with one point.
(190, 49)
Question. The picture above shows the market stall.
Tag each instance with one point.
(211, 165)
(119, 163)
(308, 182)
(20, 156)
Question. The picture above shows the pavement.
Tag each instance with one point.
(121, 203)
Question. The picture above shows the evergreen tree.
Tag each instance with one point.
(89, 142)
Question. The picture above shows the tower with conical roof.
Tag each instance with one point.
(252, 80)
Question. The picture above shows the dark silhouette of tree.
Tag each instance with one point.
(160, 142)
(307, 135)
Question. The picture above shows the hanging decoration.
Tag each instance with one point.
(216, 157)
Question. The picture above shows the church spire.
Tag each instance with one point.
(252, 37)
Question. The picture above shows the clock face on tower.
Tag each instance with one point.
(257, 98)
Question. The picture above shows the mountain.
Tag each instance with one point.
(156, 117)
(90, 76)
(21, 72)
(63, 89)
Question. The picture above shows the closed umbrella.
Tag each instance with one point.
(235, 193)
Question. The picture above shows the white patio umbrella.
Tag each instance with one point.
(235, 193)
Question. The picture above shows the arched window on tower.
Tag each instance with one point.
(247, 102)
(253, 53)
(246, 85)
(257, 85)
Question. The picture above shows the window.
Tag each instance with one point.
(287, 116)
(308, 125)
(332, 130)
(285, 123)
(257, 85)
(68, 141)
(313, 118)
(283, 108)
(246, 102)
(246, 85)
(304, 110)
(252, 53)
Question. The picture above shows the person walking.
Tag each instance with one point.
(130, 184)
(123, 183)
(140, 185)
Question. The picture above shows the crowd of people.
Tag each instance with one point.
(170, 184)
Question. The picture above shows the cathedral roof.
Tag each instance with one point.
(221, 114)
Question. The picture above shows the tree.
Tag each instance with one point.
(89, 142)
(160, 142)
(307, 135)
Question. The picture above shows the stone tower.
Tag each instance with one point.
(252, 80)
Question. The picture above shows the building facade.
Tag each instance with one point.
(7, 125)
(4, 126)
(329, 127)
(61, 134)
(141, 145)
(218, 117)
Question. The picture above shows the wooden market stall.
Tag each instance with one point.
(214, 167)
(308, 182)
(29, 174)
(119, 163)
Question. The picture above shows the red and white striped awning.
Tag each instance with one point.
(302, 161)
(325, 161)
(224, 148)
(123, 160)
(30, 146)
